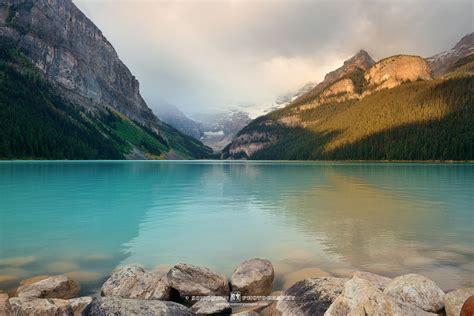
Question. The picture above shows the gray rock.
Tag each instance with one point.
(42, 306)
(416, 290)
(59, 286)
(116, 306)
(191, 280)
(360, 297)
(212, 307)
(380, 282)
(135, 282)
(253, 277)
(454, 300)
(312, 296)
(80, 304)
(246, 313)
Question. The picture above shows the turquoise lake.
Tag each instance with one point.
(85, 218)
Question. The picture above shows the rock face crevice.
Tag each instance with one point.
(73, 53)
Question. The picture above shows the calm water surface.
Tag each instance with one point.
(85, 218)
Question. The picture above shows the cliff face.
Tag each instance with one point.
(71, 51)
(391, 72)
(441, 63)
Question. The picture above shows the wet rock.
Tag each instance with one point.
(360, 297)
(123, 306)
(293, 277)
(454, 300)
(34, 279)
(468, 307)
(191, 280)
(135, 282)
(4, 304)
(380, 282)
(219, 306)
(59, 286)
(416, 290)
(312, 296)
(253, 277)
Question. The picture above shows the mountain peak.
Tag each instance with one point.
(362, 59)
(442, 62)
(466, 42)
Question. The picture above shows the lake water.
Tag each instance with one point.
(85, 218)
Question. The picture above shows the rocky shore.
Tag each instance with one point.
(185, 289)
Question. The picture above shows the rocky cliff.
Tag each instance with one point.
(393, 71)
(442, 62)
(85, 72)
(71, 51)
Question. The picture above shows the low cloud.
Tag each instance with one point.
(202, 55)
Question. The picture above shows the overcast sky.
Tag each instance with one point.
(201, 55)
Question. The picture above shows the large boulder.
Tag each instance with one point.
(416, 290)
(42, 306)
(190, 280)
(59, 286)
(253, 277)
(378, 281)
(110, 305)
(454, 300)
(135, 282)
(312, 296)
(360, 297)
(217, 306)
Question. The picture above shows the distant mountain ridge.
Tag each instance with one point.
(85, 70)
(440, 63)
(358, 110)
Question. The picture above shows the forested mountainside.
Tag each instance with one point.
(394, 110)
(39, 123)
(65, 94)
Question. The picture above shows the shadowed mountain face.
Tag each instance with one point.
(71, 53)
(392, 110)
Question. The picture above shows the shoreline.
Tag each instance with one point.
(186, 289)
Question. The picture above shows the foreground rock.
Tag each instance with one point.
(191, 280)
(360, 297)
(417, 290)
(253, 277)
(135, 282)
(122, 306)
(313, 296)
(41, 306)
(468, 307)
(59, 286)
(378, 281)
(214, 307)
(453, 301)
(4, 304)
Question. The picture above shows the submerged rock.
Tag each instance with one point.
(215, 307)
(360, 297)
(191, 280)
(453, 301)
(59, 286)
(253, 277)
(123, 306)
(312, 296)
(135, 282)
(417, 290)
